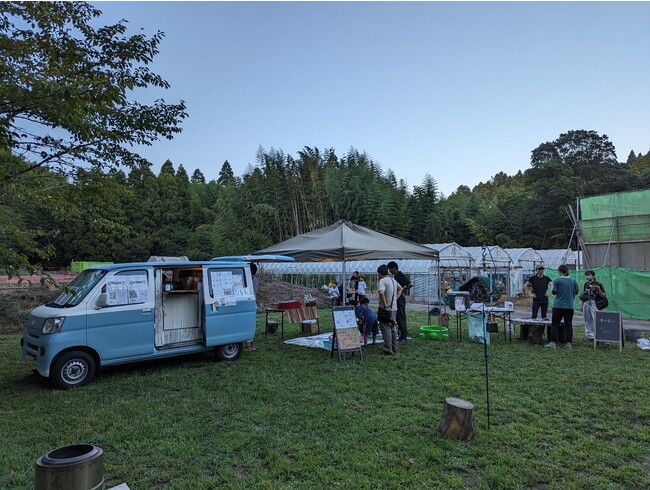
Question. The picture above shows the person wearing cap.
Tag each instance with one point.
(538, 285)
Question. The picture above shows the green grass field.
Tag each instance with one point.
(292, 417)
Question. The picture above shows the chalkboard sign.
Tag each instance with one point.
(346, 332)
(608, 327)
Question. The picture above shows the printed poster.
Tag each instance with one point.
(117, 291)
(223, 288)
(125, 290)
(138, 288)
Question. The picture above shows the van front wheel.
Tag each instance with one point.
(229, 352)
(73, 369)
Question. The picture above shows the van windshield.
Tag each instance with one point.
(78, 288)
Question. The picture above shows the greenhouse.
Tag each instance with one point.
(524, 263)
(552, 259)
(494, 263)
(423, 274)
(455, 265)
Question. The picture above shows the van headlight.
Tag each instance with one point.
(53, 325)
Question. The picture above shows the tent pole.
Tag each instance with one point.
(345, 285)
(486, 355)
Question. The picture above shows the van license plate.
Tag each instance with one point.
(30, 362)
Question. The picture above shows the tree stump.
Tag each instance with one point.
(457, 419)
(536, 334)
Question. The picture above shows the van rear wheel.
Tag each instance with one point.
(73, 369)
(229, 352)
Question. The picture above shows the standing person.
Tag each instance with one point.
(389, 291)
(538, 284)
(592, 290)
(406, 285)
(565, 289)
(353, 284)
(362, 289)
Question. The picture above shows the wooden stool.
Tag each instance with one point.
(271, 327)
(457, 419)
(310, 326)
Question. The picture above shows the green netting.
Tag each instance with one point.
(626, 289)
(623, 216)
(77, 266)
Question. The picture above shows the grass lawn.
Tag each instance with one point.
(292, 417)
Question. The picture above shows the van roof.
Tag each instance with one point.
(163, 265)
(230, 261)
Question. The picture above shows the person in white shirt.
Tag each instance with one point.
(388, 290)
(334, 293)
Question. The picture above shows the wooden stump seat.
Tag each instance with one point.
(457, 419)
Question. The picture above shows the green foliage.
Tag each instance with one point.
(67, 86)
(28, 205)
(67, 101)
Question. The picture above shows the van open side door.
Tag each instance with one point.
(228, 303)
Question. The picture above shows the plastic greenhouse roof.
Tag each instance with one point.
(520, 255)
(554, 258)
(494, 253)
(408, 266)
(452, 255)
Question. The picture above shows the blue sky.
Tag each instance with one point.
(457, 90)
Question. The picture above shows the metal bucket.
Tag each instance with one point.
(76, 467)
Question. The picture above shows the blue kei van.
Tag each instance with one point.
(119, 313)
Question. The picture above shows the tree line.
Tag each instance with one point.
(128, 216)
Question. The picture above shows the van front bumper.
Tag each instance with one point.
(38, 352)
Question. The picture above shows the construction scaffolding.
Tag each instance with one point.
(614, 230)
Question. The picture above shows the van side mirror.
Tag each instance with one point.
(102, 301)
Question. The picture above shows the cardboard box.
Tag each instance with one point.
(460, 299)
(309, 326)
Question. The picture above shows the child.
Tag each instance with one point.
(369, 319)
(334, 293)
(361, 290)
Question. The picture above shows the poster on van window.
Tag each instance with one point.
(241, 292)
(125, 290)
(117, 291)
(137, 288)
(223, 289)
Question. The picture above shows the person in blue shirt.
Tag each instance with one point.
(565, 289)
(370, 325)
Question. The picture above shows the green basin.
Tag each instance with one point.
(434, 332)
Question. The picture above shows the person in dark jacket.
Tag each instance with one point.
(591, 291)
